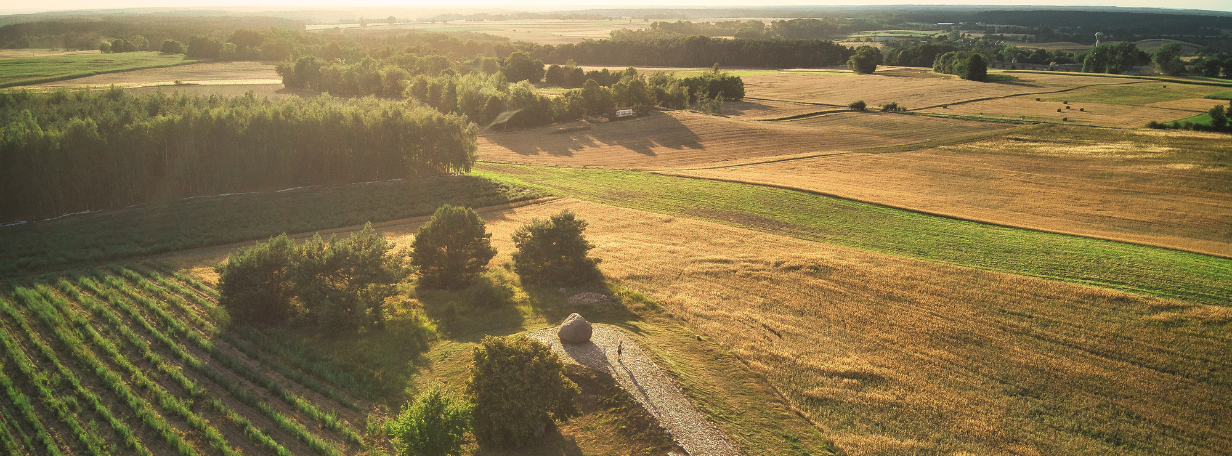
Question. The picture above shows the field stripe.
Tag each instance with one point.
(1140, 269)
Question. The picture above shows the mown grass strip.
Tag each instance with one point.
(254, 434)
(57, 311)
(78, 347)
(1139, 269)
(178, 328)
(93, 442)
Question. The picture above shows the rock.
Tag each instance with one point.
(575, 330)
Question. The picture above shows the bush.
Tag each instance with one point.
(255, 283)
(451, 249)
(343, 284)
(975, 69)
(892, 107)
(865, 60)
(857, 105)
(554, 250)
(432, 425)
(172, 47)
(518, 386)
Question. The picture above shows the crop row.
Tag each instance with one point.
(295, 373)
(116, 287)
(37, 378)
(329, 419)
(338, 378)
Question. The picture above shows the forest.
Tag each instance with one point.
(65, 152)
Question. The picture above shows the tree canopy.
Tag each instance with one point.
(517, 385)
(452, 248)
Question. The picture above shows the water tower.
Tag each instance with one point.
(1099, 36)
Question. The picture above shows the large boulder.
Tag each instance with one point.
(575, 330)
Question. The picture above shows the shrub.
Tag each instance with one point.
(1219, 117)
(857, 105)
(451, 249)
(255, 283)
(975, 69)
(892, 107)
(432, 425)
(554, 250)
(343, 284)
(865, 60)
(518, 386)
(172, 47)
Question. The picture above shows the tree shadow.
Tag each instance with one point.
(738, 108)
(487, 307)
(641, 136)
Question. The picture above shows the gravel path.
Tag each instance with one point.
(638, 375)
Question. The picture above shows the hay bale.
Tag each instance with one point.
(575, 330)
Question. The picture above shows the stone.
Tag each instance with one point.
(575, 330)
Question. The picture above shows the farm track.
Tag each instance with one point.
(146, 370)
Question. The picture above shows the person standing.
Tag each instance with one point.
(620, 349)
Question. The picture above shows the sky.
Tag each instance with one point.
(537, 5)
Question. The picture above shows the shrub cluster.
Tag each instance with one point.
(517, 386)
(338, 285)
(554, 251)
(865, 60)
(967, 65)
(65, 152)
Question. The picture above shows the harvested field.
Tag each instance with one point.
(680, 138)
(1189, 104)
(1136, 93)
(24, 53)
(768, 110)
(897, 355)
(913, 88)
(225, 90)
(1161, 188)
(213, 73)
(1025, 108)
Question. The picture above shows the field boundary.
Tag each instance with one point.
(936, 214)
(1128, 76)
(87, 74)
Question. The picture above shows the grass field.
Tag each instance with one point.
(198, 222)
(26, 71)
(1221, 95)
(1148, 270)
(213, 75)
(1167, 189)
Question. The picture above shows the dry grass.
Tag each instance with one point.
(891, 355)
(687, 139)
(914, 88)
(1167, 189)
(23, 53)
(895, 355)
(213, 73)
(1099, 114)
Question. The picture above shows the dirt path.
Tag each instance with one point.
(637, 374)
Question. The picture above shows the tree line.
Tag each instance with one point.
(87, 34)
(65, 152)
(696, 51)
(491, 91)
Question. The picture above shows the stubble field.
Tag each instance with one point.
(1168, 189)
(680, 139)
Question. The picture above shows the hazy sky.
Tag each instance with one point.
(49, 5)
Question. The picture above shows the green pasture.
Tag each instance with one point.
(1134, 268)
(1220, 95)
(1136, 94)
(200, 222)
(35, 70)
